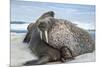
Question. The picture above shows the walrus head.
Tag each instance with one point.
(48, 14)
(44, 23)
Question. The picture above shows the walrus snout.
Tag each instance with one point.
(44, 26)
(44, 35)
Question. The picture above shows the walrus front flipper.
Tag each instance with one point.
(41, 61)
(66, 54)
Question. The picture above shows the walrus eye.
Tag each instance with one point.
(41, 26)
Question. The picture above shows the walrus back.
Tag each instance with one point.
(65, 33)
(84, 40)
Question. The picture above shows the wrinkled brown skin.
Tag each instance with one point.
(39, 47)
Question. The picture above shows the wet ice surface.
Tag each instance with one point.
(20, 52)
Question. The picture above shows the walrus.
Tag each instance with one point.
(39, 47)
(65, 36)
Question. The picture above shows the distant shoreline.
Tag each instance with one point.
(18, 22)
(18, 31)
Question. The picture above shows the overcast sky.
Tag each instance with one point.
(29, 11)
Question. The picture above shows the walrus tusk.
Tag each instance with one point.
(46, 36)
(41, 35)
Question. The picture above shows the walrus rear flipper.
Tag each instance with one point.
(41, 61)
